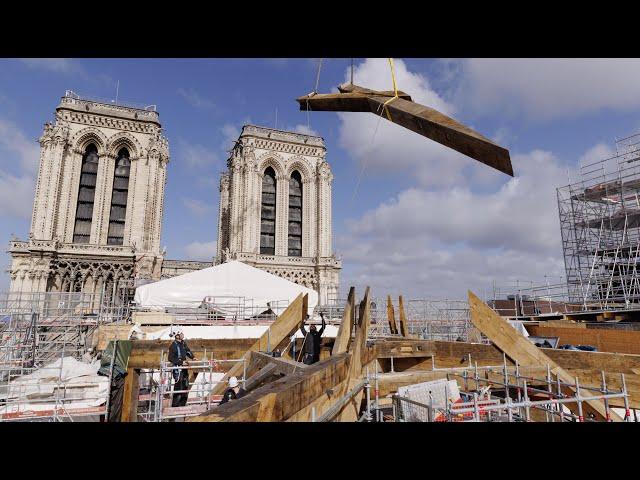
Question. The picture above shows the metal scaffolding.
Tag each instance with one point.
(428, 319)
(38, 330)
(514, 398)
(600, 227)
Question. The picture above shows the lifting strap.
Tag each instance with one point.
(395, 89)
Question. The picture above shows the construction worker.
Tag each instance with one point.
(178, 353)
(311, 342)
(233, 392)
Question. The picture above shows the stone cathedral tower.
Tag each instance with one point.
(98, 205)
(275, 208)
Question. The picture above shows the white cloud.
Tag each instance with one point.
(304, 130)
(12, 139)
(19, 155)
(379, 145)
(200, 250)
(542, 89)
(426, 243)
(195, 99)
(197, 156)
(16, 195)
(230, 134)
(197, 207)
(56, 65)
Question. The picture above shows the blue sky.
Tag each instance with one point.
(423, 220)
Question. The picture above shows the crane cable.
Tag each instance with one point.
(375, 131)
(315, 90)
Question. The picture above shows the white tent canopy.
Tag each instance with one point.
(228, 283)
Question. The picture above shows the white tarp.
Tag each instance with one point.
(65, 382)
(227, 331)
(226, 283)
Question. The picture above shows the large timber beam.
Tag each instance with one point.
(147, 353)
(518, 348)
(343, 337)
(404, 327)
(391, 316)
(279, 333)
(279, 400)
(360, 356)
(415, 117)
(130, 396)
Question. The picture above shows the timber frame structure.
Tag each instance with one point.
(338, 387)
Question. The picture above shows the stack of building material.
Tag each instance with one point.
(66, 386)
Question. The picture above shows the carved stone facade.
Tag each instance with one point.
(109, 160)
(241, 213)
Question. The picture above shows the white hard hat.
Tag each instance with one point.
(233, 382)
(178, 331)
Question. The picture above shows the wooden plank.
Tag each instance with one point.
(279, 333)
(130, 396)
(343, 337)
(455, 354)
(518, 348)
(604, 339)
(391, 316)
(404, 330)
(146, 353)
(398, 348)
(418, 118)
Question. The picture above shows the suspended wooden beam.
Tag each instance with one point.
(417, 118)
(520, 349)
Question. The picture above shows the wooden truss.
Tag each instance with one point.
(418, 118)
(281, 389)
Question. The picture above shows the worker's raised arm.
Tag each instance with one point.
(324, 324)
(302, 329)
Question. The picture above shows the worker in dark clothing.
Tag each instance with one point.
(233, 392)
(311, 342)
(178, 353)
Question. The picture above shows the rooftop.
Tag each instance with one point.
(282, 135)
(128, 110)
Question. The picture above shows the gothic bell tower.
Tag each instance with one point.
(98, 206)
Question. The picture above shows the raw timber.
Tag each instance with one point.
(418, 118)
(338, 387)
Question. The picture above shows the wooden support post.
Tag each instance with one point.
(343, 337)
(404, 330)
(130, 396)
(519, 349)
(349, 413)
(279, 333)
(391, 316)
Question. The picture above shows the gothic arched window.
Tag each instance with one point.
(119, 198)
(268, 213)
(86, 194)
(295, 215)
